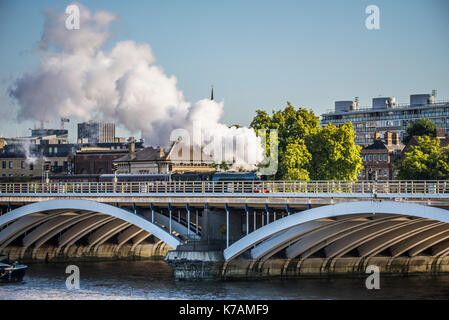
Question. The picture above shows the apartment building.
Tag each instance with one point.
(385, 115)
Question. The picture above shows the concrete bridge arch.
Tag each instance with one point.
(285, 231)
(36, 212)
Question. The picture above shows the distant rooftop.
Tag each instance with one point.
(386, 103)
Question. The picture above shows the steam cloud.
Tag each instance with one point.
(77, 77)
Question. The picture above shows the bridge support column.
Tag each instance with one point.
(152, 212)
(268, 213)
(227, 225)
(188, 220)
(170, 217)
(196, 222)
(247, 218)
(255, 220)
(204, 259)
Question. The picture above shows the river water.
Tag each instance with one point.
(153, 280)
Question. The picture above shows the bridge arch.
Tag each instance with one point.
(335, 210)
(96, 207)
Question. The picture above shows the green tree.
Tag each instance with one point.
(291, 124)
(308, 151)
(294, 160)
(335, 156)
(425, 161)
(420, 127)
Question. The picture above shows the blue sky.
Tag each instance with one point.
(259, 54)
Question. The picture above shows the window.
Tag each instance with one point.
(3, 164)
(31, 166)
(22, 164)
(10, 165)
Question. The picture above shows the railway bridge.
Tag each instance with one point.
(237, 229)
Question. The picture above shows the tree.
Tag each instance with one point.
(420, 127)
(291, 124)
(307, 151)
(335, 156)
(294, 160)
(425, 161)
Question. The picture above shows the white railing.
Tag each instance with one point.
(225, 187)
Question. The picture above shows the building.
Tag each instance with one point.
(60, 134)
(380, 156)
(35, 159)
(99, 159)
(151, 160)
(385, 115)
(96, 132)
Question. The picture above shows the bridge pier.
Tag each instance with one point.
(203, 259)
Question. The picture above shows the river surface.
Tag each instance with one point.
(153, 280)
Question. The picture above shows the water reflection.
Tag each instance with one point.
(153, 280)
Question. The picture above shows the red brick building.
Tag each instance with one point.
(379, 157)
(95, 160)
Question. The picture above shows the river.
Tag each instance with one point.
(153, 280)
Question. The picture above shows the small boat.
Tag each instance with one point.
(12, 272)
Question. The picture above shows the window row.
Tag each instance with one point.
(375, 157)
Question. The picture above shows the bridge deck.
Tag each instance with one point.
(296, 194)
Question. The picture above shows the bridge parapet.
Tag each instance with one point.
(437, 187)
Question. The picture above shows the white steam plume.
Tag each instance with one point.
(77, 77)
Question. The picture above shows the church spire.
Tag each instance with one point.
(212, 93)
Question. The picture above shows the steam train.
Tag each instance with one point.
(191, 176)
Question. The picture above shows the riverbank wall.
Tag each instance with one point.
(84, 253)
(243, 269)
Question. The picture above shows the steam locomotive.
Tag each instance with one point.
(191, 176)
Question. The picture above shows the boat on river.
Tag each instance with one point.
(11, 272)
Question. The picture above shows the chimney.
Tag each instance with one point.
(161, 152)
(132, 148)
